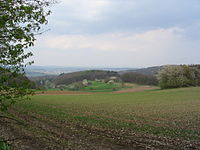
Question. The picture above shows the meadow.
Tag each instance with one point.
(152, 119)
(102, 87)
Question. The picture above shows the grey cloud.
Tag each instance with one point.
(127, 15)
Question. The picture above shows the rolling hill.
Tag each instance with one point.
(68, 78)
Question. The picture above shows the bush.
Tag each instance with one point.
(178, 76)
(4, 146)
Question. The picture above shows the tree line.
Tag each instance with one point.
(138, 78)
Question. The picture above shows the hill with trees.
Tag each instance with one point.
(145, 76)
(69, 78)
(144, 71)
(138, 78)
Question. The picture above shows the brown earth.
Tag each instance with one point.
(37, 132)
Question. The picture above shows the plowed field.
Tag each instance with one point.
(152, 119)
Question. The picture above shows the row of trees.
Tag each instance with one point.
(138, 78)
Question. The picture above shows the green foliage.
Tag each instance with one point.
(20, 21)
(13, 86)
(179, 76)
(102, 86)
(139, 78)
(196, 71)
(77, 86)
(94, 86)
(4, 146)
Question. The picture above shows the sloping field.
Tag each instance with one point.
(156, 119)
(132, 88)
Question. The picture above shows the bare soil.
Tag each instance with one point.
(41, 133)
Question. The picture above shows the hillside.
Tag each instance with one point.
(68, 78)
(37, 71)
(144, 76)
(139, 78)
(152, 70)
(132, 76)
(145, 71)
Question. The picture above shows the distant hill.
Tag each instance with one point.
(145, 71)
(36, 71)
(40, 78)
(139, 76)
(36, 74)
(152, 70)
(68, 78)
(145, 76)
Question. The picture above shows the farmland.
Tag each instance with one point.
(99, 86)
(152, 119)
(96, 87)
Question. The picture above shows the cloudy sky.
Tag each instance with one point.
(120, 33)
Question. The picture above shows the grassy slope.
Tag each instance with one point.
(101, 87)
(173, 113)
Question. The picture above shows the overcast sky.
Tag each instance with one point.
(120, 33)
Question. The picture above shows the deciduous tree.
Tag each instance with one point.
(20, 22)
(178, 76)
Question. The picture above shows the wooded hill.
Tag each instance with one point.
(145, 71)
(144, 76)
(69, 78)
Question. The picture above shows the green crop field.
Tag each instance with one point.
(153, 119)
(101, 87)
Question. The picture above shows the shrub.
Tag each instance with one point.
(178, 76)
(4, 146)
